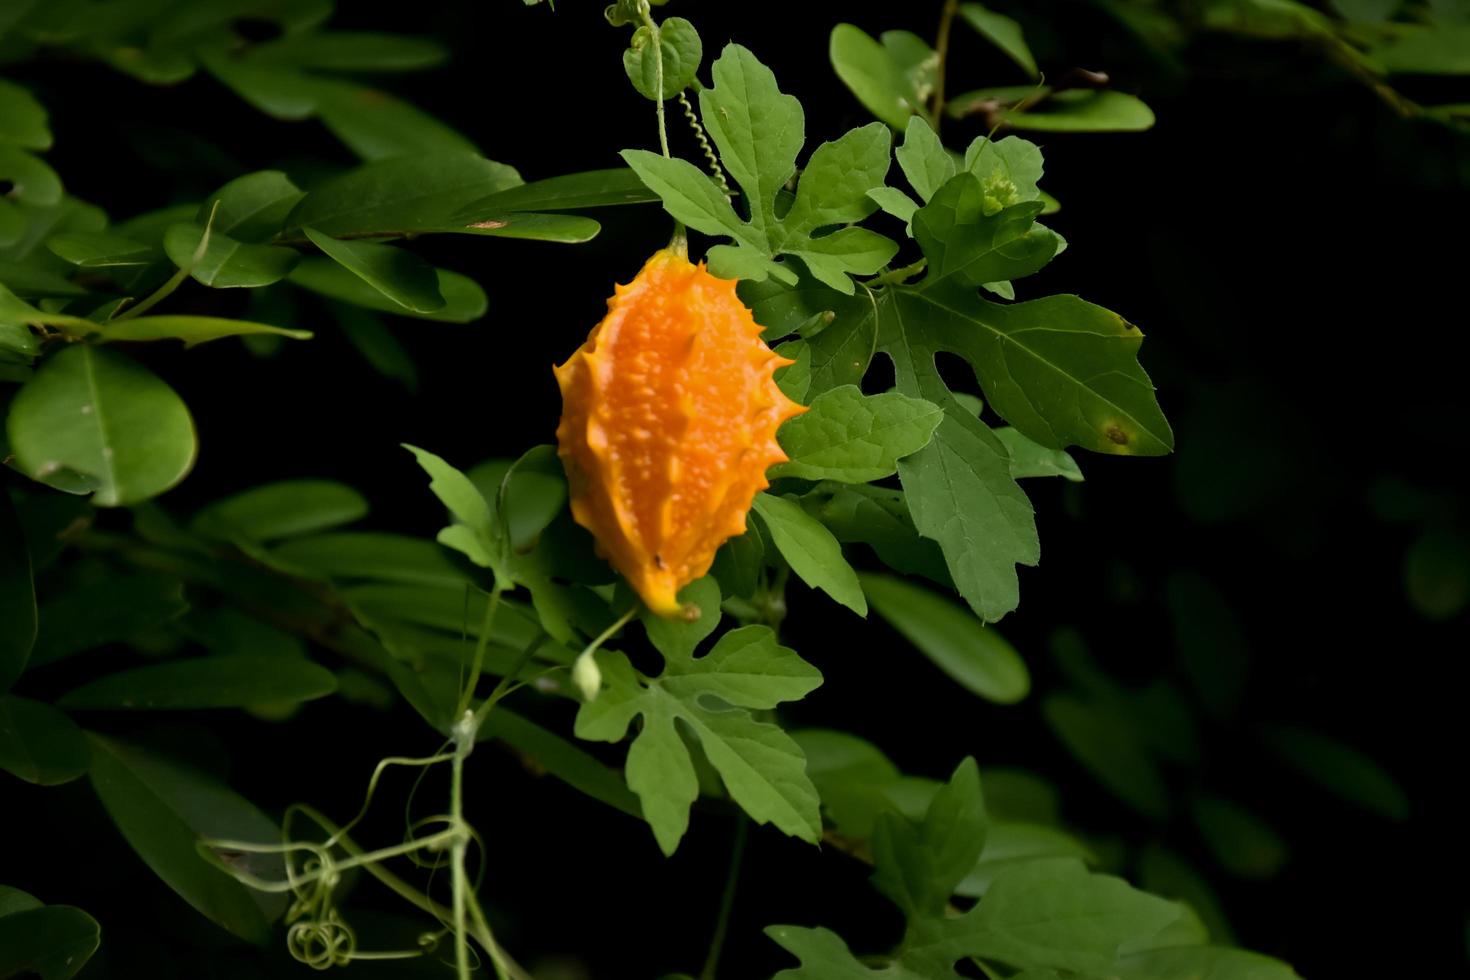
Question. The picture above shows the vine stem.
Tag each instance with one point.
(477, 665)
(658, 54)
(727, 900)
(941, 47)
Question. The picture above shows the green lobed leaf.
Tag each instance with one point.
(878, 517)
(401, 276)
(96, 413)
(1029, 459)
(163, 809)
(464, 300)
(1204, 962)
(760, 765)
(52, 943)
(855, 438)
(281, 510)
(679, 48)
(40, 744)
(17, 597)
(218, 681)
(923, 159)
(811, 550)
(971, 653)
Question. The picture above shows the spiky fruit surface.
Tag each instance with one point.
(669, 418)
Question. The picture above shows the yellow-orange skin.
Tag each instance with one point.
(669, 419)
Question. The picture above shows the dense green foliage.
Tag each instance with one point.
(278, 595)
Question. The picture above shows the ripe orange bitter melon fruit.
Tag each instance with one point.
(669, 419)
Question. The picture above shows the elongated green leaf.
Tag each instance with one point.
(192, 330)
(163, 808)
(970, 652)
(569, 192)
(1112, 751)
(464, 300)
(566, 228)
(352, 51)
(22, 118)
(1341, 770)
(379, 126)
(227, 263)
(98, 414)
(533, 492)
(1205, 962)
(51, 943)
(1085, 112)
(855, 438)
(40, 744)
(17, 597)
(760, 765)
(401, 276)
(812, 551)
(1001, 31)
(204, 682)
(1243, 843)
(100, 250)
(282, 510)
(401, 195)
(358, 555)
(103, 611)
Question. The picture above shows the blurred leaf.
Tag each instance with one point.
(17, 597)
(40, 744)
(1210, 962)
(32, 180)
(972, 654)
(22, 118)
(570, 192)
(678, 54)
(1001, 31)
(14, 900)
(401, 276)
(878, 517)
(373, 556)
(163, 809)
(226, 263)
(377, 345)
(282, 510)
(1079, 111)
(1437, 575)
(561, 758)
(229, 632)
(390, 198)
(352, 51)
(1340, 769)
(1435, 49)
(1243, 843)
(96, 413)
(811, 550)
(850, 775)
(51, 943)
(1215, 653)
(1029, 459)
(220, 681)
(1111, 751)
(464, 300)
(855, 438)
(379, 126)
(1019, 795)
(113, 608)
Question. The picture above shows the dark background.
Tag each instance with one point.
(1293, 252)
